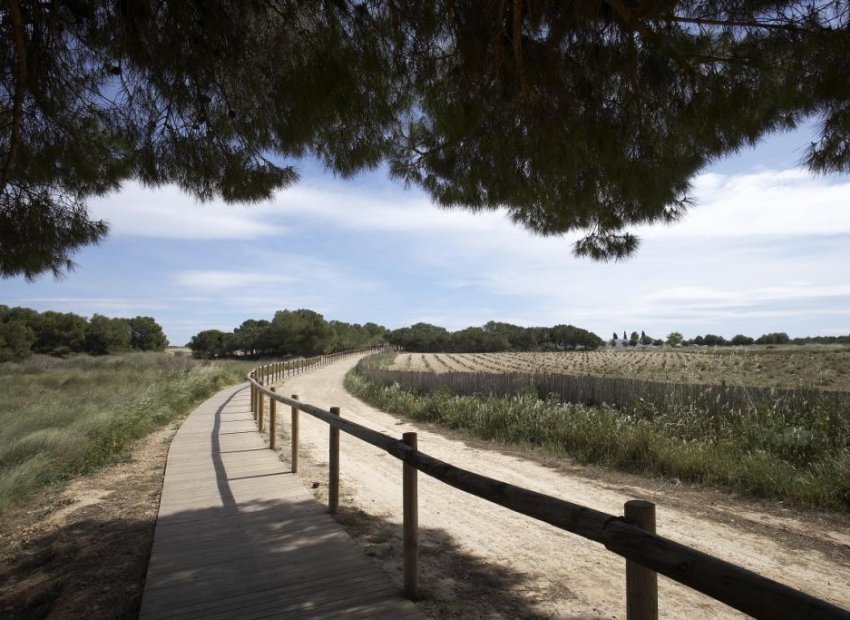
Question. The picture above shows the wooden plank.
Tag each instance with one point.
(238, 535)
(236, 602)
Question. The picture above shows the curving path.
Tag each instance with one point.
(501, 564)
(238, 536)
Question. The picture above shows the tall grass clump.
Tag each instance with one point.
(804, 459)
(63, 417)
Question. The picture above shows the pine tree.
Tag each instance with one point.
(585, 116)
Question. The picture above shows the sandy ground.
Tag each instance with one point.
(81, 551)
(480, 560)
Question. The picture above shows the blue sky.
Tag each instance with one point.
(765, 249)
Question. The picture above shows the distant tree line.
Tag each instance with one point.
(24, 331)
(493, 336)
(304, 332)
(290, 332)
(712, 340)
(675, 339)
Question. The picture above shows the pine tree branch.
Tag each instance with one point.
(628, 19)
(18, 35)
(733, 23)
(516, 35)
(498, 42)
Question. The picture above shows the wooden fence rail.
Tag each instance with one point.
(631, 536)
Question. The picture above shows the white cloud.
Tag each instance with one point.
(401, 210)
(706, 297)
(765, 203)
(211, 280)
(87, 306)
(168, 213)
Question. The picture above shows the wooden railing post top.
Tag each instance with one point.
(409, 439)
(640, 504)
(334, 410)
(294, 397)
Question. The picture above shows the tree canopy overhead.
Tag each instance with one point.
(585, 116)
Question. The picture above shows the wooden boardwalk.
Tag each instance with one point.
(238, 535)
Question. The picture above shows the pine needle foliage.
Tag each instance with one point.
(588, 116)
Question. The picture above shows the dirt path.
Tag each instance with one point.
(478, 559)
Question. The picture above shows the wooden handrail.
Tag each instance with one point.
(728, 583)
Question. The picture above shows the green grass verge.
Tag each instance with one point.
(807, 463)
(60, 418)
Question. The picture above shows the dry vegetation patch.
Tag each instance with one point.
(64, 417)
(792, 445)
(72, 545)
(826, 367)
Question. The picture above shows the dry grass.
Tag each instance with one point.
(803, 459)
(62, 417)
(789, 444)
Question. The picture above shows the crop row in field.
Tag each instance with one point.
(800, 367)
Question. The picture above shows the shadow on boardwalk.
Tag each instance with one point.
(60, 575)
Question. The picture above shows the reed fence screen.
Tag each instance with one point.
(617, 392)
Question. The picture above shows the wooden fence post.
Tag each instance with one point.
(272, 421)
(260, 410)
(411, 522)
(641, 582)
(294, 432)
(254, 397)
(333, 466)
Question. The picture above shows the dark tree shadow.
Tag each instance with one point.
(94, 568)
(68, 577)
